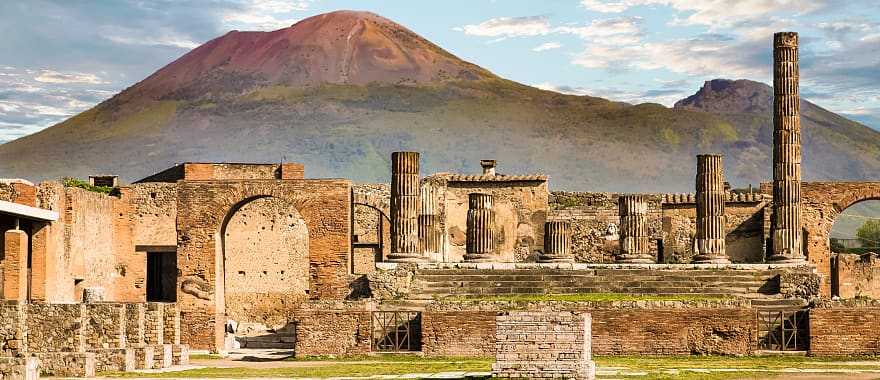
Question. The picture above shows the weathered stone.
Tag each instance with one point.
(480, 228)
(634, 237)
(709, 243)
(405, 207)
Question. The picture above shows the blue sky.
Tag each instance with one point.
(58, 58)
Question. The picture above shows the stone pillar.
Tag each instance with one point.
(15, 270)
(634, 240)
(786, 230)
(557, 243)
(480, 228)
(429, 221)
(405, 208)
(709, 245)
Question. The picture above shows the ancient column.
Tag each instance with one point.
(709, 244)
(480, 228)
(405, 207)
(634, 240)
(429, 221)
(557, 243)
(786, 227)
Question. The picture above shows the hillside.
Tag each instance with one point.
(339, 92)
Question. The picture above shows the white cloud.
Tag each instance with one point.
(624, 30)
(547, 46)
(606, 6)
(505, 27)
(713, 13)
(173, 41)
(266, 15)
(50, 76)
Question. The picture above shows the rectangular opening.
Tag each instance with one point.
(161, 276)
(783, 330)
(396, 331)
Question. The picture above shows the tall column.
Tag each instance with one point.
(709, 245)
(786, 223)
(634, 240)
(480, 228)
(557, 243)
(405, 208)
(429, 221)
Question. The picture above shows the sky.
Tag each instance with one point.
(59, 58)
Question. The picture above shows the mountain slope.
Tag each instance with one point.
(339, 92)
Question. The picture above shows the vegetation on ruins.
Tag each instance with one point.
(76, 182)
(869, 233)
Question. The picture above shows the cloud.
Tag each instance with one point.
(547, 46)
(623, 30)
(49, 76)
(507, 27)
(666, 96)
(606, 6)
(714, 13)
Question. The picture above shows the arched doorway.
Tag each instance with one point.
(854, 240)
(371, 236)
(265, 269)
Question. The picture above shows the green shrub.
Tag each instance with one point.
(76, 182)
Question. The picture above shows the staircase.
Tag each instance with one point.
(740, 283)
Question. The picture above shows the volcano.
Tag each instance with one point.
(340, 91)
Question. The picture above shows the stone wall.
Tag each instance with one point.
(19, 368)
(845, 330)
(105, 326)
(371, 228)
(154, 213)
(56, 327)
(537, 345)
(855, 275)
(13, 330)
(266, 262)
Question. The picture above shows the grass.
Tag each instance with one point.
(648, 367)
(592, 297)
(76, 182)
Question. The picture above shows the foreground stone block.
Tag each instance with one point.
(114, 359)
(144, 357)
(19, 368)
(536, 345)
(179, 354)
(67, 364)
(162, 356)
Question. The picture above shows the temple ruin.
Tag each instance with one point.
(220, 256)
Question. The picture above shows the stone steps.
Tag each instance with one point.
(438, 283)
(270, 340)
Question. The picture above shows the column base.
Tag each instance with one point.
(635, 259)
(555, 259)
(711, 259)
(406, 258)
(479, 258)
(782, 259)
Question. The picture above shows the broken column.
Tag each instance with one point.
(709, 246)
(480, 228)
(405, 207)
(429, 221)
(786, 230)
(15, 266)
(634, 239)
(557, 242)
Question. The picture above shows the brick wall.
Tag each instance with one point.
(845, 330)
(855, 275)
(458, 333)
(331, 332)
(538, 345)
(154, 213)
(154, 323)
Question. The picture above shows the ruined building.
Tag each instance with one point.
(259, 255)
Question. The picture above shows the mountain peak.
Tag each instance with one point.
(730, 96)
(342, 47)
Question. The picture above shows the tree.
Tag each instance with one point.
(869, 233)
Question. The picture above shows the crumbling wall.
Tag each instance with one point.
(56, 327)
(536, 345)
(458, 333)
(856, 275)
(13, 330)
(266, 251)
(595, 223)
(845, 329)
(520, 212)
(371, 227)
(331, 332)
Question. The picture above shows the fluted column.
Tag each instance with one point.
(429, 221)
(634, 239)
(405, 207)
(480, 228)
(786, 223)
(709, 245)
(557, 243)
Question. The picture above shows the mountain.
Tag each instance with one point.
(339, 92)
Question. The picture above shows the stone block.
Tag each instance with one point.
(19, 368)
(163, 356)
(180, 354)
(144, 357)
(543, 345)
(67, 364)
(114, 359)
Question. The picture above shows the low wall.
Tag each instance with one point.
(331, 332)
(458, 333)
(536, 345)
(845, 329)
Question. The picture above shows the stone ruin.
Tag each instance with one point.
(325, 266)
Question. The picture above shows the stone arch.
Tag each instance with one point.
(822, 204)
(265, 264)
(370, 212)
(324, 205)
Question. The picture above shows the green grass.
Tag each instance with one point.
(591, 297)
(76, 182)
(650, 367)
